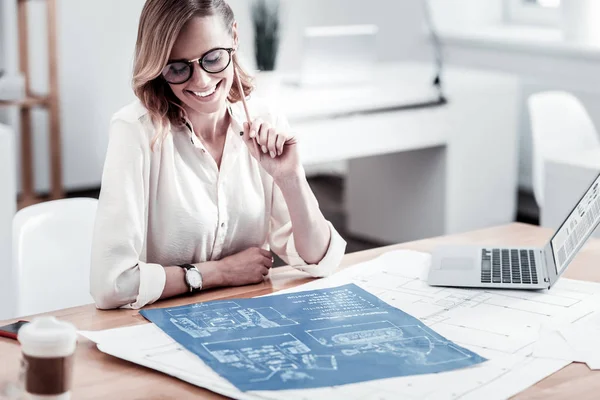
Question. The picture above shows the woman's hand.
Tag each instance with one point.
(277, 152)
(246, 267)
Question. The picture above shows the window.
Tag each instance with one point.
(533, 12)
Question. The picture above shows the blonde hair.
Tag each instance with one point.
(161, 22)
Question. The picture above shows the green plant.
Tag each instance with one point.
(265, 18)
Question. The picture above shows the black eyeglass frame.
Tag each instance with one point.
(200, 61)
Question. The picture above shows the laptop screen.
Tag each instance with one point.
(577, 228)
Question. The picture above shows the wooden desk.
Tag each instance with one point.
(99, 376)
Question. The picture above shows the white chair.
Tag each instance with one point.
(559, 124)
(52, 252)
(8, 207)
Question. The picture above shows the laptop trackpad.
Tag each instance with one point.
(457, 263)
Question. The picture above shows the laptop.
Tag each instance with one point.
(519, 268)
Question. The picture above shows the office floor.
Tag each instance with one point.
(329, 191)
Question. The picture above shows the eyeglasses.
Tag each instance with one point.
(213, 62)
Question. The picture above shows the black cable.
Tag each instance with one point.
(437, 50)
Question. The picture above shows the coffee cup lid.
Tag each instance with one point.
(48, 337)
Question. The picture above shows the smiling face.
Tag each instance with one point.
(204, 92)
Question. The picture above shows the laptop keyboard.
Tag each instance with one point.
(508, 266)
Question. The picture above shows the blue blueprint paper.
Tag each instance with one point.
(309, 339)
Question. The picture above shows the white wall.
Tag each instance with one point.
(3, 17)
(8, 36)
(8, 42)
(467, 12)
(7, 210)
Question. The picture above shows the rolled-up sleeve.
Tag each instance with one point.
(118, 276)
(281, 241)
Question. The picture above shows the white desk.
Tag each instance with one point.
(415, 173)
(8, 205)
(566, 177)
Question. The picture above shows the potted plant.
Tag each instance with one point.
(266, 25)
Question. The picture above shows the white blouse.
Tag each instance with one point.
(173, 205)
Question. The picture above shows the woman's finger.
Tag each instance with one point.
(255, 128)
(279, 144)
(263, 136)
(246, 132)
(268, 262)
(265, 271)
(272, 142)
(265, 253)
(258, 127)
(252, 145)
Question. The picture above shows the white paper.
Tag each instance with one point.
(517, 330)
(584, 339)
(149, 346)
(554, 346)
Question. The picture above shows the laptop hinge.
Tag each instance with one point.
(544, 271)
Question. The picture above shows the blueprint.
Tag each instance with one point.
(310, 339)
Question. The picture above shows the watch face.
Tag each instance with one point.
(194, 278)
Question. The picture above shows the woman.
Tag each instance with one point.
(193, 197)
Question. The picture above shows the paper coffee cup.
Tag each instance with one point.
(47, 346)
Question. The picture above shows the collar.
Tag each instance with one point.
(237, 116)
(233, 140)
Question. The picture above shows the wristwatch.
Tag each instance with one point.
(193, 277)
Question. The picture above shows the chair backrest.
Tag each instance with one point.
(559, 123)
(52, 250)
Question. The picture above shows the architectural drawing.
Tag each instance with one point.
(281, 357)
(201, 320)
(311, 339)
(410, 343)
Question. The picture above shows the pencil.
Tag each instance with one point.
(243, 97)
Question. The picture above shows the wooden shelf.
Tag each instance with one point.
(29, 201)
(50, 102)
(23, 201)
(30, 101)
